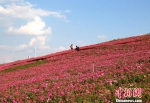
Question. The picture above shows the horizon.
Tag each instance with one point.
(53, 25)
(55, 53)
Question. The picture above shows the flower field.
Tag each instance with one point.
(92, 75)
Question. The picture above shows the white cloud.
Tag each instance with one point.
(5, 22)
(13, 48)
(22, 51)
(3, 47)
(67, 11)
(26, 10)
(35, 27)
(25, 50)
(20, 47)
(101, 37)
(39, 42)
(141, 34)
(4, 58)
(21, 10)
(61, 48)
(22, 18)
(1, 1)
(4, 1)
(14, 0)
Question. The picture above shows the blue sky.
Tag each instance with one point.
(53, 25)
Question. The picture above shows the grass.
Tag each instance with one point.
(36, 63)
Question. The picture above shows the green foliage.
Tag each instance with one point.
(36, 63)
(30, 95)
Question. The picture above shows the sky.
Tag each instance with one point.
(52, 25)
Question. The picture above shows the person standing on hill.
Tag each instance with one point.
(71, 46)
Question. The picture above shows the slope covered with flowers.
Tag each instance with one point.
(93, 74)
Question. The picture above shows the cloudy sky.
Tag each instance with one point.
(52, 25)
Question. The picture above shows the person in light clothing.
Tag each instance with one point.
(71, 46)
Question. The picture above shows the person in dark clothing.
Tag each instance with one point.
(77, 48)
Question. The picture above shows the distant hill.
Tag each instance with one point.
(91, 75)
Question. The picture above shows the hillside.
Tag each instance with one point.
(93, 74)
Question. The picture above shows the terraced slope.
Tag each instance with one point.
(93, 74)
